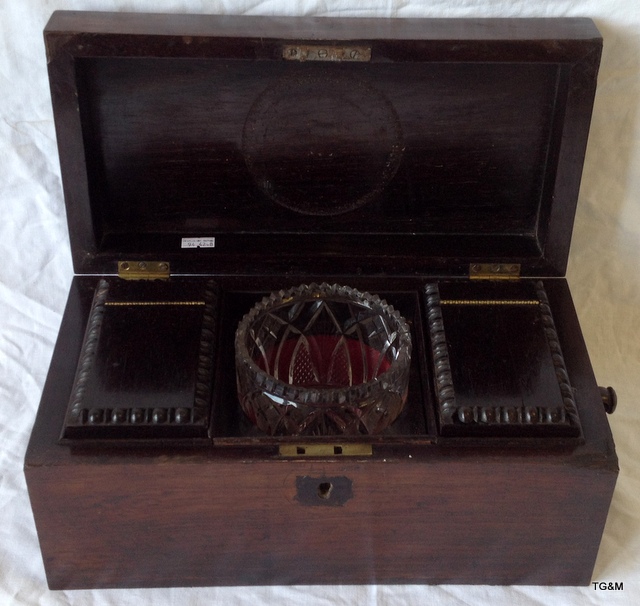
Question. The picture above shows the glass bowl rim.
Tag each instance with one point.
(323, 396)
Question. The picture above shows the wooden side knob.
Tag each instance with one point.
(609, 399)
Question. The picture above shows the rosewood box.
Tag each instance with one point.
(208, 161)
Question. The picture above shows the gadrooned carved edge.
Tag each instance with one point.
(199, 414)
(78, 415)
(445, 391)
(570, 408)
(204, 381)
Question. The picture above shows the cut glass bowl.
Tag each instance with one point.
(322, 360)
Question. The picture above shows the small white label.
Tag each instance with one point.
(198, 243)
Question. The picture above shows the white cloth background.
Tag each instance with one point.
(35, 271)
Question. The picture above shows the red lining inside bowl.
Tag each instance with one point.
(323, 361)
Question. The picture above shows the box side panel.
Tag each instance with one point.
(43, 448)
(593, 418)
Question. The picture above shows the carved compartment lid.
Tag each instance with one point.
(262, 145)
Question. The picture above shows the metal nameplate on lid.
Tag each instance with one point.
(315, 52)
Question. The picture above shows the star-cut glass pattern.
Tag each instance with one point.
(322, 360)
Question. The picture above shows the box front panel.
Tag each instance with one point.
(443, 518)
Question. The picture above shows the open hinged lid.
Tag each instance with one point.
(262, 145)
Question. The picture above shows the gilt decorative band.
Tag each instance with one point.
(153, 303)
(489, 302)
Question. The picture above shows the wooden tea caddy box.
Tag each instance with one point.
(207, 161)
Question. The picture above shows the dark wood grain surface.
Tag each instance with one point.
(156, 512)
(459, 141)
(146, 366)
(438, 151)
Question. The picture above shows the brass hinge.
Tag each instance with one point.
(143, 270)
(494, 271)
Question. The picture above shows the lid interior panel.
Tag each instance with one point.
(416, 164)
